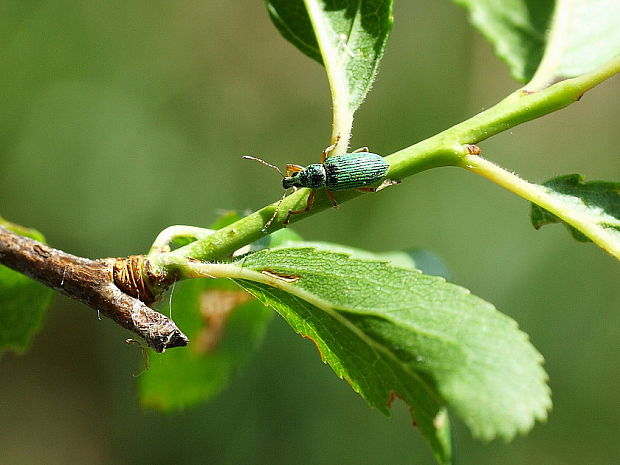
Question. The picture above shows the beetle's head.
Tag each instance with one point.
(291, 181)
(312, 176)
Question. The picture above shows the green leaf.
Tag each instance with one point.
(421, 259)
(549, 40)
(584, 35)
(292, 21)
(515, 28)
(23, 302)
(596, 203)
(224, 325)
(392, 331)
(347, 36)
(375, 376)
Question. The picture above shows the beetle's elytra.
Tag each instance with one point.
(355, 170)
(339, 173)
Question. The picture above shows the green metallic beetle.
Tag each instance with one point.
(355, 170)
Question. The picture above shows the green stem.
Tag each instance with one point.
(448, 148)
(519, 107)
(542, 196)
(178, 232)
(342, 123)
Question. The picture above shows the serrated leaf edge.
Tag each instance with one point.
(236, 270)
(485, 434)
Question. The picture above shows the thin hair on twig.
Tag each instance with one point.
(170, 300)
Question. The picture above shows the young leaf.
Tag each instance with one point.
(23, 302)
(597, 203)
(555, 40)
(395, 332)
(347, 36)
(224, 325)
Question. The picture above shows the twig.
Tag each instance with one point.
(91, 282)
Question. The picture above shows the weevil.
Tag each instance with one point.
(356, 170)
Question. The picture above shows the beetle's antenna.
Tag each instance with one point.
(275, 213)
(249, 157)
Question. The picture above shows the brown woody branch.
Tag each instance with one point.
(92, 282)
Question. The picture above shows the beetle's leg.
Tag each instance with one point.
(309, 204)
(361, 150)
(329, 149)
(290, 169)
(383, 185)
(275, 213)
(332, 198)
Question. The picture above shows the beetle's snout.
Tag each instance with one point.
(289, 181)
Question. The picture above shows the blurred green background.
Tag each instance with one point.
(118, 119)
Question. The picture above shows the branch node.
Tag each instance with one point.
(473, 149)
(130, 275)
